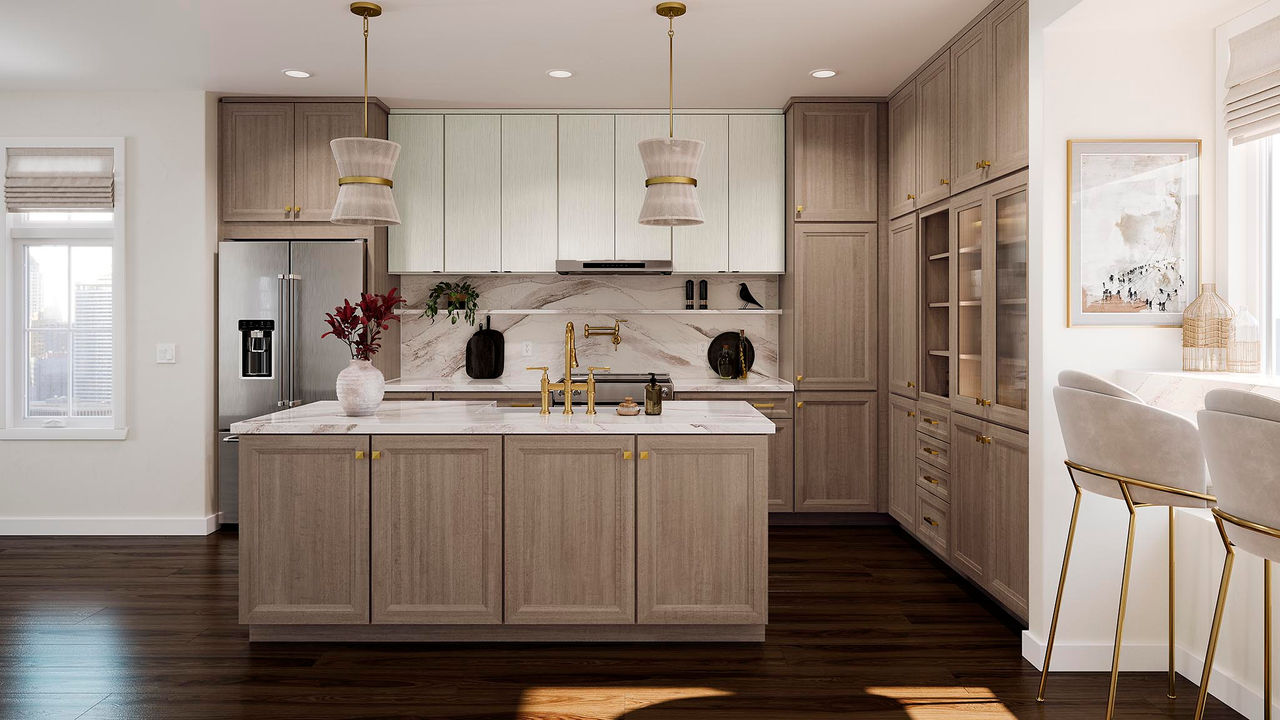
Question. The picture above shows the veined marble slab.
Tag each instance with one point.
(481, 418)
(1183, 392)
(532, 383)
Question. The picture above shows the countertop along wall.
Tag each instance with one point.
(158, 481)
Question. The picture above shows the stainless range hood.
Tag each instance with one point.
(613, 267)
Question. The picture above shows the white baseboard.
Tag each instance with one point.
(108, 525)
(1096, 657)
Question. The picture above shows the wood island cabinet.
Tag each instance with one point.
(778, 408)
(836, 452)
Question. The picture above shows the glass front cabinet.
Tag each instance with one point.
(988, 233)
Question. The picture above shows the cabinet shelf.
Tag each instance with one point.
(940, 256)
(1012, 301)
(941, 354)
(970, 250)
(970, 357)
(940, 305)
(970, 303)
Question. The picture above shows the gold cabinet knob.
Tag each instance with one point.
(799, 403)
(644, 454)
(288, 209)
(359, 454)
(911, 196)
(911, 413)
(377, 454)
(943, 181)
(799, 209)
(911, 384)
(983, 439)
(297, 209)
(982, 164)
(626, 454)
(799, 378)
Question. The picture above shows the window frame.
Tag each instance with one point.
(19, 234)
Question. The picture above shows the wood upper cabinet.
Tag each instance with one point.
(902, 460)
(701, 530)
(304, 529)
(417, 243)
(833, 293)
(989, 97)
(529, 193)
(933, 86)
(315, 171)
(903, 312)
(836, 452)
(757, 195)
(472, 193)
(904, 150)
(586, 200)
(835, 161)
(256, 161)
(569, 529)
(437, 529)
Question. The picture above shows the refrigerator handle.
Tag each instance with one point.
(283, 359)
(293, 340)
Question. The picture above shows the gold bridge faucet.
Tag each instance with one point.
(567, 386)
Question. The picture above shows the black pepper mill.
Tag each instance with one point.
(652, 396)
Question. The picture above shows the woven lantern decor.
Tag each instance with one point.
(1245, 353)
(1206, 331)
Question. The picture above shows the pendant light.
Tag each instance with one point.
(671, 195)
(365, 164)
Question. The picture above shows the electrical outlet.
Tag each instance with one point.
(166, 353)
(526, 349)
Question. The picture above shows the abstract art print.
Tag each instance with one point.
(1133, 231)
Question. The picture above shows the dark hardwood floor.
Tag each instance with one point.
(864, 624)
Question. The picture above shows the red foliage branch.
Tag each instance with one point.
(360, 326)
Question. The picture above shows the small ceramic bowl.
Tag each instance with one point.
(628, 407)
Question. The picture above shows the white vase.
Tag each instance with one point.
(360, 388)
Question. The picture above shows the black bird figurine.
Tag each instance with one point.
(744, 294)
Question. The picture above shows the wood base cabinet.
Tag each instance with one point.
(902, 460)
(836, 452)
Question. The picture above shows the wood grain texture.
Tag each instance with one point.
(782, 466)
(1009, 470)
(934, 88)
(472, 193)
(902, 460)
(705, 247)
(304, 515)
(256, 150)
(932, 522)
(933, 451)
(835, 307)
(904, 151)
(771, 405)
(586, 214)
(971, 499)
(757, 204)
(569, 530)
(904, 307)
(437, 530)
(1009, 48)
(315, 171)
(417, 243)
(836, 161)
(934, 420)
(971, 108)
(934, 480)
(836, 452)
(530, 196)
(506, 634)
(631, 240)
(702, 530)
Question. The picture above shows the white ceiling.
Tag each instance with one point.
(478, 53)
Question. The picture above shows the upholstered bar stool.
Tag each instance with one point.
(1240, 432)
(1122, 448)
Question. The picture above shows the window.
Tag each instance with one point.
(64, 298)
(1255, 239)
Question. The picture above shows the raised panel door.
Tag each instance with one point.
(701, 530)
(472, 193)
(569, 529)
(782, 458)
(256, 161)
(971, 111)
(836, 452)
(835, 307)
(904, 142)
(417, 243)
(934, 88)
(1008, 572)
(972, 498)
(757, 193)
(315, 170)
(304, 529)
(437, 529)
(586, 196)
(903, 312)
(529, 193)
(705, 247)
(631, 240)
(836, 162)
(1010, 73)
(902, 461)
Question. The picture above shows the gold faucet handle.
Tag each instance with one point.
(543, 368)
(591, 370)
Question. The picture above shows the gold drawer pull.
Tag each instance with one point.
(930, 479)
(626, 454)
(929, 420)
(984, 439)
(911, 196)
(521, 404)
(929, 450)
(800, 404)
(762, 406)
(929, 520)
(982, 164)
(982, 401)
(644, 454)
(359, 454)
(911, 413)
(944, 181)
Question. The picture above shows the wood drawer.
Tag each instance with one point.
(507, 399)
(773, 405)
(934, 480)
(933, 451)
(932, 527)
(933, 420)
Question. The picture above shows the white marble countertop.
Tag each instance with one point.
(417, 417)
(1183, 392)
(529, 382)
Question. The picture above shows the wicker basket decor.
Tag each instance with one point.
(1206, 331)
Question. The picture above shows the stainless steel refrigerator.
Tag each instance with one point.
(272, 297)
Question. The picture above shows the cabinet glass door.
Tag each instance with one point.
(1011, 301)
(969, 291)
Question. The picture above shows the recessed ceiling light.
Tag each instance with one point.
(823, 73)
(297, 73)
(559, 73)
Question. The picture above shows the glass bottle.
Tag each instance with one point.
(652, 396)
(724, 363)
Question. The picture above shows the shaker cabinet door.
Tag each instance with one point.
(836, 161)
(315, 171)
(971, 112)
(1009, 99)
(934, 88)
(256, 147)
(835, 307)
(972, 497)
(904, 146)
(836, 452)
(1008, 572)
(902, 461)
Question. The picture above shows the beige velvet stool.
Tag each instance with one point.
(1122, 448)
(1241, 432)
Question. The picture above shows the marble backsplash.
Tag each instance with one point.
(674, 343)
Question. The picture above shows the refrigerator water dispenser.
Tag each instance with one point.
(255, 348)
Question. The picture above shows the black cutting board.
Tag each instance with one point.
(485, 352)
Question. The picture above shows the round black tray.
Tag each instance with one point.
(730, 339)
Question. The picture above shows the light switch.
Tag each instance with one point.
(166, 353)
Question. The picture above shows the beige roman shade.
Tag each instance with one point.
(75, 179)
(1253, 83)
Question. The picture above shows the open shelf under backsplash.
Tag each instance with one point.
(596, 311)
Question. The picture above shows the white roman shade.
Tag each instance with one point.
(1253, 83)
(75, 179)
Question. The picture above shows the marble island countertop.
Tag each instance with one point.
(529, 382)
(416, 417)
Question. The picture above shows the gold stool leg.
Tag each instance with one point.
(1124, 599)
(1172, 693)
(1213, 630)
(1057, 605)
(1266, 625)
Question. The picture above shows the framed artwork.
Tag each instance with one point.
(1133, 231)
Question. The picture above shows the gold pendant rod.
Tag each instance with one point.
(671, 77)
(366, 76)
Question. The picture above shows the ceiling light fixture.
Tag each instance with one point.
(296, 73)
(365, 164)
(670, 196)
(560, 73)
(823, 73)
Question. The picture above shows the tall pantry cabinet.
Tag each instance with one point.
(828, 331)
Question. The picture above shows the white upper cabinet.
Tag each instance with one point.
(757, 194)
(631, 240)
(586, 187)
(705, 247)
(529, 197)
(417, 243)
(472, 193)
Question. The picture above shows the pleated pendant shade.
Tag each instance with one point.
(671, 195)
(365, 166)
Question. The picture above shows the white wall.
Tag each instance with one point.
(159, 480)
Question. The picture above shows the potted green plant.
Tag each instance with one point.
(457, 298)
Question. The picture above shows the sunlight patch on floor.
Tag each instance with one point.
(605, 702)
(928, 703)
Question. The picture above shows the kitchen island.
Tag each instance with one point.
(468, 521)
